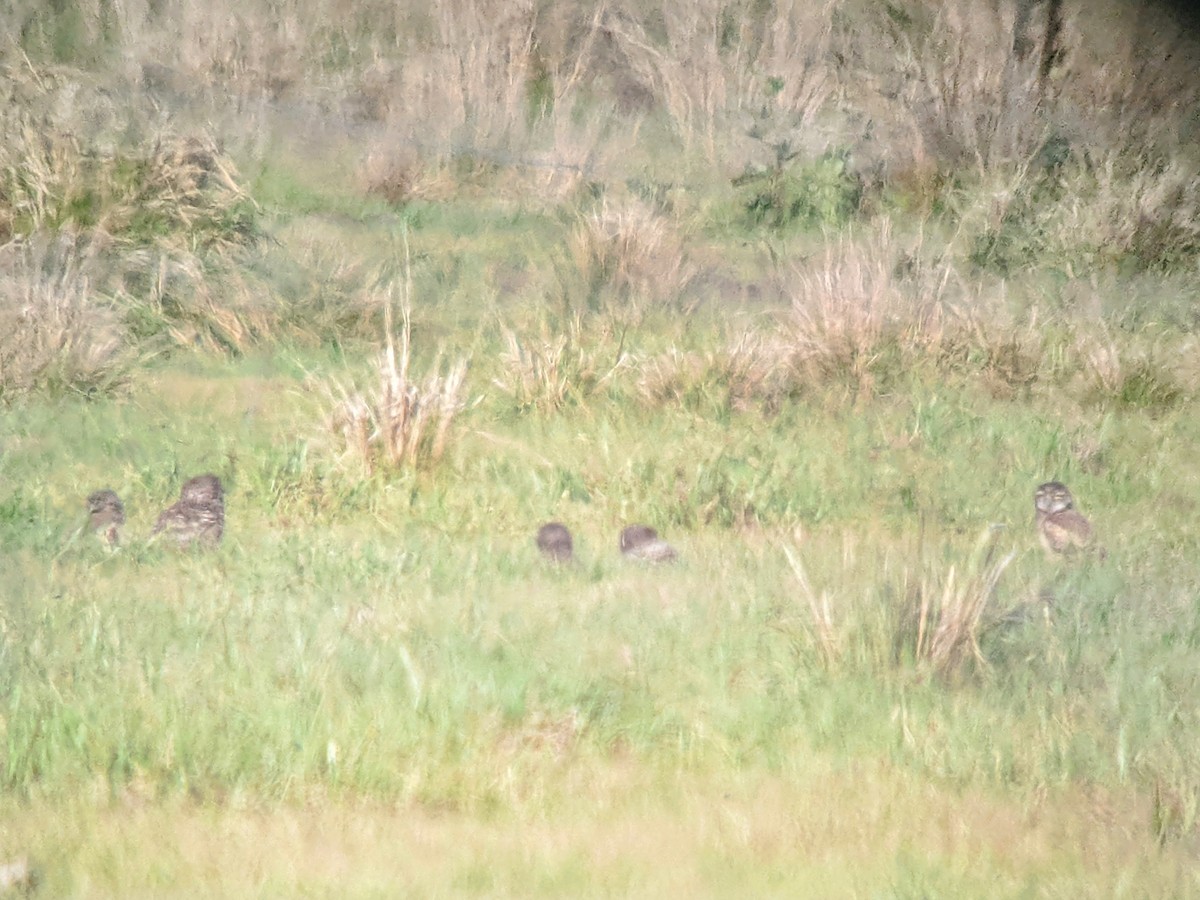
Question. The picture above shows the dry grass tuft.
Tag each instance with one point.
(191, 187)
(824, 630)
(180, 193)
(56, 334)
(1123, 373)
(552, 371)
(38, 170)
(975, 102)
(210, 302)
(933, 618)
(1148, 211)
(867, 304)
(393, 170)
(950, 608)
(755, 370)
(405, 423)
(714, 72)
(632, 250)
(1126, 101)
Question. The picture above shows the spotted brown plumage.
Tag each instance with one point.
(1061, 527)
(198, 517)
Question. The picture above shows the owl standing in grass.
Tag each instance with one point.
(198, 517)
(642, 543)
(554, 541)
(1061, 527)
(106, 515)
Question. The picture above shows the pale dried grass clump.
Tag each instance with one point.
(209, 303)
(951, 606)
(406, 422)
(466, 89)
(974, 100)
(166, 226)
(631, 249)
(550, 372)
(1103, 364)
(826, 636)
(1126, 101)
(1149, 212)
(190, 184)
(396, 171)
(1127, 373)
(499, 94)
(752, 371)
(870, 303)
(39, 168)
(180, 192)
(709, 69)
(932, 617)
(56, 333)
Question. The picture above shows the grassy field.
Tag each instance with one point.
(832, 386)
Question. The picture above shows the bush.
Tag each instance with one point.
(823, 193)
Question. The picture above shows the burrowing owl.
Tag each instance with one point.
(554, 540)
(1061, 527)
(641, 542)
(198, 516)
(106, 515)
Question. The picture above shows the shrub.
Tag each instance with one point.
(823, 193)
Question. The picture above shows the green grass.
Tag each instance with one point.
(375, 687)
(395, 642)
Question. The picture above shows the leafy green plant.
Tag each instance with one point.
(822, 193)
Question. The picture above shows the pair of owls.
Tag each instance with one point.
(637, 542)
(198, 517)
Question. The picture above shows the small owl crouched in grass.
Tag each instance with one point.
(642, 543)
(198, 517)
(1061, 527)
(106, 516)
(555, 543)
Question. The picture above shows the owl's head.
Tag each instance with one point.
(634, 536)
(105, 501)
(554, 540)
(1052, 497)
(202, 489)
